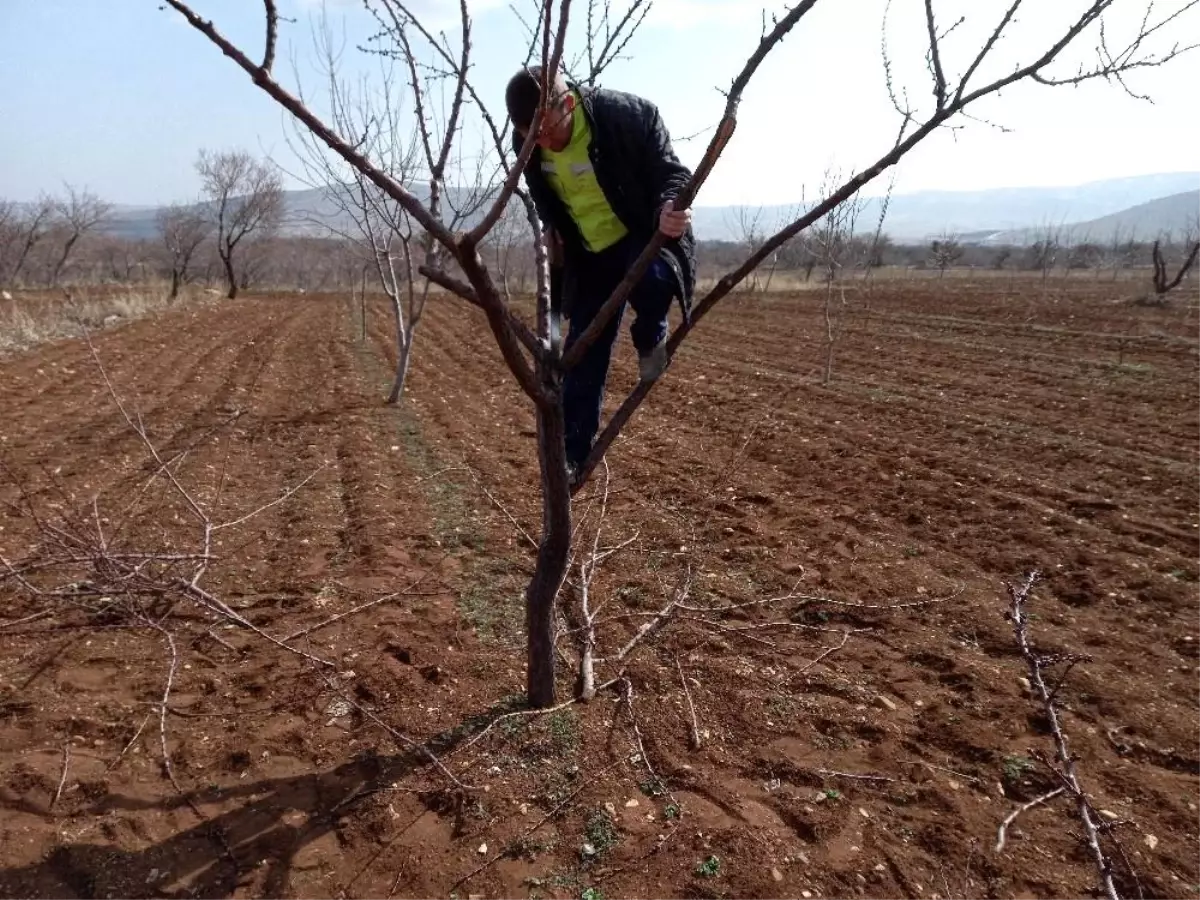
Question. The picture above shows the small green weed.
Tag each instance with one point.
(601, 832)
(653, 788)
(564, 731)
(1015, 767)
(710, 868)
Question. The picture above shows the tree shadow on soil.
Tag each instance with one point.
(216, 857)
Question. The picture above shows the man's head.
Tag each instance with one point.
(522, 96)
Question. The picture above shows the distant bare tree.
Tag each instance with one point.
(1043, 253)
(798, 255)
(1084, 254)
(1118, 252)
(245, 198)
(879, 244)
(1003, 254)
(79, 213)
(375, 223)
(22, 228)
(944, 252)
(182, 228)
(832, 244)
(878, 250)
(121, 260)
(751, 232)
(512, 253)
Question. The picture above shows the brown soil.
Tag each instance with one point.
(969, 434)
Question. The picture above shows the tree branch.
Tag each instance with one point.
(263, 79)
(550, 66)
(935, 57)
(272, 29)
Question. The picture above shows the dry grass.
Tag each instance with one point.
(34, 317)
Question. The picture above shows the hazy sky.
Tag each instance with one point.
(118, 95)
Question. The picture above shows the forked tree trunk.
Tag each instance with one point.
(553, 553)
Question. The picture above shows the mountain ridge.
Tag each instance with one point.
(916, 216)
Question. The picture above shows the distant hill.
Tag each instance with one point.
(911, 217)
(1168, 216)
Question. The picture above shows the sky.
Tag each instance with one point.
(120, 95)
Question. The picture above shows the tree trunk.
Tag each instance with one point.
(174, 286)
(62, 260)
(403, 356)
(227, 262)
(362, 303)
(829, 332)
(552, 555)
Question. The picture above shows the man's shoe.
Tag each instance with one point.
(653, 363)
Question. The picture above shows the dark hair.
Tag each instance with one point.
(524, 93)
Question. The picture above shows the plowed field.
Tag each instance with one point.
(864, 729)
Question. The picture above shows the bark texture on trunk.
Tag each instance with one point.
(552, 555)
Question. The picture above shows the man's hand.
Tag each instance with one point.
(673, 223)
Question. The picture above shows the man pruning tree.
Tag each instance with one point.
(603, 177)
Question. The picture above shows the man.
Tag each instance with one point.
(603, 177)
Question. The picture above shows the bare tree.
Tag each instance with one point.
(373, 221)
(1043, 253)
(944, 252)
(512, 253)
(534, 355)
(1163, 284)
(832, 244)
(22, 228)
(182, 228)
(1116, 253)
(118, 259)
(245, 199)
(76, 215)
(751, 231)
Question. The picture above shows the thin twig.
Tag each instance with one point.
(310, 629)
(659, 618)
(511, 845)
(529, 713)
(120, 756)
(408, 742)
(1065, 771)
(491, 497)
(1002, 831)
(280, 499)
(695, 727)
(162, 706)
(833, 774)
(35, 616)
(962, 775)
(66, 764)
(627, 697)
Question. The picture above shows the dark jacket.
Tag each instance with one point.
(638, 171)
